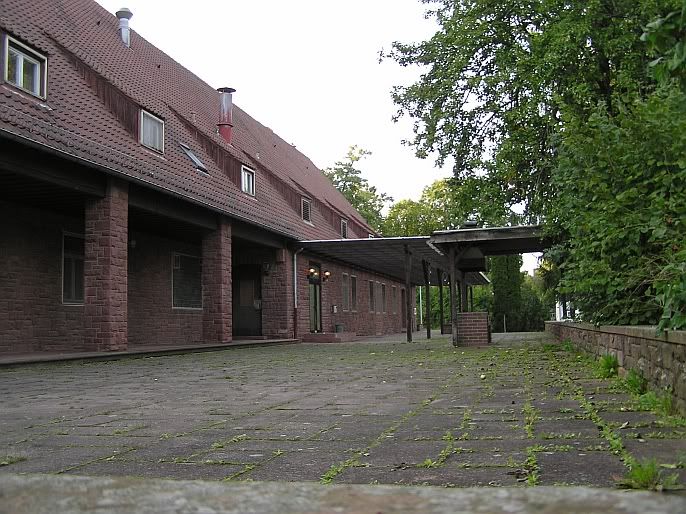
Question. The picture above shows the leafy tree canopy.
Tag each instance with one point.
(499, 75)
(347, 178)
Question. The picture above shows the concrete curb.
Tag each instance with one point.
(43, 494)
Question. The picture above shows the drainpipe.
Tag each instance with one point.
(295, 292)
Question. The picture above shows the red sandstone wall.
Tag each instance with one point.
(32, 316)
(152, 320)
(362, 322)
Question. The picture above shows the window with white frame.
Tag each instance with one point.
(345, 291)
(72, 269)
(344, 229)
(247, 181)
(306, 210)
(152, 131)
(186, 281)
(25, 68)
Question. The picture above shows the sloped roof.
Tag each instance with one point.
(93, 77)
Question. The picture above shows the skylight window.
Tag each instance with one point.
(194, 158)
(25, 68)
(152, 131)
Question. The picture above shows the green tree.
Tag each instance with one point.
(506, 282)
(349, 181)
(499, 77)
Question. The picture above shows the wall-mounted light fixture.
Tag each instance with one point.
(266, 268)
(326, 276)
(312, 274)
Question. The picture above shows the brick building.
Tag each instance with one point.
(138, 206)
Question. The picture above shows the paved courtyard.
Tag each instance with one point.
(368, 412)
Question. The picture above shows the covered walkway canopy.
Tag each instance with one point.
(425, 259)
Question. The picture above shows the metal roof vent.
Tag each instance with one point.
(226, 112)
(124, 15)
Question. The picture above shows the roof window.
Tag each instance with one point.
(247, 180)
(25, 68)
(306, 210)
(194, 158)
(152, 131)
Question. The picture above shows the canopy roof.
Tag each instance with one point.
(387, 256)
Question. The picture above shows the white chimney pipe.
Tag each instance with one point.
(124, 16)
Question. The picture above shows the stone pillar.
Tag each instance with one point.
(106, 269)
(216, 285)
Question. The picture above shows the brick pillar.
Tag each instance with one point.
(216, 285)
(105, 269)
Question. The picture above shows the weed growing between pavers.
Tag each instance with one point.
(7, 460)
(647, 474)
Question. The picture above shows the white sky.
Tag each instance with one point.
(308, 69)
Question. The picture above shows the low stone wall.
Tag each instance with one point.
(660, 358)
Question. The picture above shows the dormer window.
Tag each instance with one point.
(194, 158)
(306, 210)
(152, 131)
(247, 181)
(25, 68)
(344, 229)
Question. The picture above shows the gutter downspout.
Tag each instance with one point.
(295, 292)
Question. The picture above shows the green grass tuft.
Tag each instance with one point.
(648, 475)
(608, 365)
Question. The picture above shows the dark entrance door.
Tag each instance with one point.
(315, 285)
(247, 300)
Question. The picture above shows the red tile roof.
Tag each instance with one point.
(95, 88)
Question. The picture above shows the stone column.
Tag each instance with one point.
(216, 285)
(106, 269)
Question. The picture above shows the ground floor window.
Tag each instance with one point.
(353, 293)
(186, 281)
(394, 299)
(345, 291)
(72, 269)
(371, 296)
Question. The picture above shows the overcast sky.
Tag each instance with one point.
(308, 69)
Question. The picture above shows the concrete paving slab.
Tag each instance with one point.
(295, 412)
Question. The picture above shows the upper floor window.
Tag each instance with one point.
(152, 131)
(344, 229)
(247, 180)
(306, 210)
(25, 68)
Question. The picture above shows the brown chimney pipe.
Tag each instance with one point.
(225, 112)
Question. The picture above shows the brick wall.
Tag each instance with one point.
(216, 285)
(105, 269)
(277, 296)
(473, 329)
(32, 315)
(661, 359)
(362, 321)
(152, 320)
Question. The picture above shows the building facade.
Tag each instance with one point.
(140, 207)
